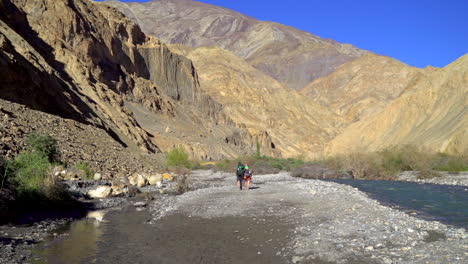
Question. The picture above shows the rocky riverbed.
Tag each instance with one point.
(444, 177)
(280, 220)
(328, 222)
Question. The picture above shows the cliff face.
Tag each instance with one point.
(290, 56)
(88, 62)
(431, 113)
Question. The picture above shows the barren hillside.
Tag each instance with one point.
(291, 56)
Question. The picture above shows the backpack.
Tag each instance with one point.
(240, 171)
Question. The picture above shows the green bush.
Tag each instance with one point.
(30, 171)
(89, 172)
(43, 144)
(178, 158)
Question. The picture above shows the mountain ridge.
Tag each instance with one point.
(303, 56)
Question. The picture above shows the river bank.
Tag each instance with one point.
(445, 178)
(282, 219)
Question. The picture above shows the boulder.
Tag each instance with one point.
(139, 204)
(72, 174)
(102, 191)
(57, 171)
(97, 176)
(155, 179)
(133, 179)
(169, 177)
(118, 190)
(141, 181)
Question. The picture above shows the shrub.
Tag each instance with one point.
(30, 172)
(43, 144)
(178, 158)
(446, 162)
(318, 171)
(89, 173)
(261, 164)
(388, 163)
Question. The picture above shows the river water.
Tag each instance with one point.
(444, 203)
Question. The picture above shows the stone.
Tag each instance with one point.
(118, 190)
(72, 174)
(167, 177)
(97, 176)
(57, 171)
(141, 181)
(155, 179)
(133, 179)
(102, 191)
(297, 259)
(139, 204)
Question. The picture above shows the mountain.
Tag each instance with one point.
(430, 113)
(364, 86)
(87, 62)
(89, 75)
(290, 56)
(294, 125)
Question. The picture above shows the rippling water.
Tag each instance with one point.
(445, 203)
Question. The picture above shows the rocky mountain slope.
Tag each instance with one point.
(431, 113)
(284, 121)
(364, 86)
(87, 62)
(291, 56)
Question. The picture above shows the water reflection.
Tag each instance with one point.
(80, 245)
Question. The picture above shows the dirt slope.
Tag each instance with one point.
(431, 113)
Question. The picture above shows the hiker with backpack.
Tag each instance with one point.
(247, 176)
(240, 175)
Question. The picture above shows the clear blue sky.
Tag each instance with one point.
(417, 32)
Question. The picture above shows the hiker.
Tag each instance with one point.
(240, 175)
(247, 176)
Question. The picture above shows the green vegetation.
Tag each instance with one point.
(44, 145)
(261, 164)
(446, 162)
(178, 157)
(385, 165)
(257, 152)
(89, 172)
(388, 163)
(29, 173)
